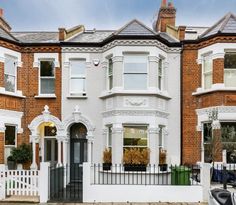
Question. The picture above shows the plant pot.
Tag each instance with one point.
(19, 166)
(163, 167)
(106, 166)
(11, 165)
(135, 167)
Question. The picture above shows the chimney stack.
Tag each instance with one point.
(3, 24)
(166, 16)
(1, 12)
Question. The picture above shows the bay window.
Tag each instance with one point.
(109, 137)
(110, 74)
(47, 77)
(160, 74)
(135, 72)
(10, 74)
(207, 68)
(135, 137)
(161, 136)
(230, 70)
(77, 76)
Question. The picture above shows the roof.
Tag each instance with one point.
(226, 25)
(193, 32)
(6, 35)
(134, 28)
(91, 36)
(36, 37)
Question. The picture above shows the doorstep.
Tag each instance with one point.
(22, 199)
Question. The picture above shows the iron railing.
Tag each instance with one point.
(118, 174)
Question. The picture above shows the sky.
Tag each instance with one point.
(49, 15)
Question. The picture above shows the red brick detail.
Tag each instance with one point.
(218, 71)
(191, 80)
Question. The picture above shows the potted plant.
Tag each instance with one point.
(162, 160)
(107, 159)
(21, 155)
(11, 163)
(136, 159)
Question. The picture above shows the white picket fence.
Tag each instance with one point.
(19, 182)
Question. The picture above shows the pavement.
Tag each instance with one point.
(10, 203)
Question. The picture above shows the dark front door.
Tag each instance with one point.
(78, 151)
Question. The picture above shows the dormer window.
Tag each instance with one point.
(135, 72)
(10, 74)
(230, 70)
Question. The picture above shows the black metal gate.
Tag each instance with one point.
(66, 183)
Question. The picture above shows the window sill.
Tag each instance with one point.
(17, 94)
(46, 96)
(77, 97)
(162, 94)
(214, 88)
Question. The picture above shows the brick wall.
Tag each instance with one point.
(27, 81)
(191, 80)
(218, 71)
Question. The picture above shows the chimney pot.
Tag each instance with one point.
(1, 12)
(164, 3)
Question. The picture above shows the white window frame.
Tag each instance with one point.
(229, 69)
(110, 83)
(54, 71)
(77, 77)
(10, 56)
(109, 131)
(135, 125)
(160, 77)
(127, 54)
(205, 58)
(10, 146)
(161, 135)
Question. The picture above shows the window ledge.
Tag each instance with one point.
(46, 96)
(77, 97)
(201, 91)
(162, 94)
(17, 94)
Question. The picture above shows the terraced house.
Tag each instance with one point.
(77, 95)
(73, 93)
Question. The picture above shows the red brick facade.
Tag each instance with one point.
(27, 82)
(191, 80)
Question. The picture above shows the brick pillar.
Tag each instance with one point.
(1, 74)
(218, 70)
(216, 142)
(1, 147)
(19, 78)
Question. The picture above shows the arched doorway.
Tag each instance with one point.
(78, 151)
(78, 144)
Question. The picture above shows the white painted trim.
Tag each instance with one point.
(46, 96)
(11, 118)
(157, 93)
(217, 49)
(41, 56)
(18, 93)
(214, 88)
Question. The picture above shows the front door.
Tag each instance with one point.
(78, 151)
